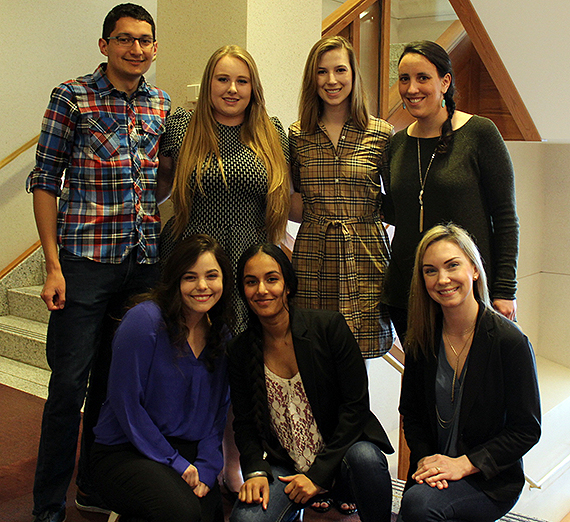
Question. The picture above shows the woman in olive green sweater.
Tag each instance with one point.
(447, 166)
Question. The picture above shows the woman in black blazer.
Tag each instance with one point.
(299, 390)
(469, 400)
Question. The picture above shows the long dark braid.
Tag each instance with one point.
(254, 333)
(442, 62)
(257, 372)
(446, 128)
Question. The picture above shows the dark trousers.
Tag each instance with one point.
(461, 501)
(79, 343)
(141, 489)
(399, 318)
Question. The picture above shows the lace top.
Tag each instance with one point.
(292, 419)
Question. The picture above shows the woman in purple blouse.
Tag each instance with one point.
(157, 450)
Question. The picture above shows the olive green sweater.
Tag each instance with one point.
(471, 185)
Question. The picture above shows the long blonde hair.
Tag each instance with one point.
(422, 309)
(200, 148)
(311, 106)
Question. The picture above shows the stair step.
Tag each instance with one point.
(548, 463)
(23, 340)
(553, 449)
(26, 302)
(550, 458)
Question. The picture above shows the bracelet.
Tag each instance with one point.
(254, 474)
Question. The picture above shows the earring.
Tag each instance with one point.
(443, 103)
(404, 106)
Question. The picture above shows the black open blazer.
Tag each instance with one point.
(499, 420)
(336, 384)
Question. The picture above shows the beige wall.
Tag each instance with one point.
(419, 19)
(555, 255)
(274, 32)
(280, 35)
(43, 44)
(195, 31)
(543, 186)
(528, 175)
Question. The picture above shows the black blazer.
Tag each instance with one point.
(499, 419)
(336, 384)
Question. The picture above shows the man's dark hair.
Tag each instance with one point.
(126, 10)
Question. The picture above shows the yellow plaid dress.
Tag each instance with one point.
(342, 249)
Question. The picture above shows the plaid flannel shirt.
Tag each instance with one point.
(98, 151)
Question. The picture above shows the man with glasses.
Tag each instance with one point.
(97, 153)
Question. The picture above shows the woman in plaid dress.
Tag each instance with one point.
(342, 249)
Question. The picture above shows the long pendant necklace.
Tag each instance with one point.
(423, 182)
(446, 424)
(458, 356)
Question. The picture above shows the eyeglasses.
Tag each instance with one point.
(126, 40)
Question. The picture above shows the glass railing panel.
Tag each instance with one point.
(416, 20)
(369, 54)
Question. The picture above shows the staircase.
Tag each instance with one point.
(23, 314)
(548, 463)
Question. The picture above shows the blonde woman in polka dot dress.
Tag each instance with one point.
(231, 175)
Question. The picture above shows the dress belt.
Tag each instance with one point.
(349, 294)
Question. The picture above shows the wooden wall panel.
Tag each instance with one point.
(477, 93)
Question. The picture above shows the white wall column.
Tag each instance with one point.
(278, 35)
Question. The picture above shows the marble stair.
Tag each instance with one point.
(23, 314)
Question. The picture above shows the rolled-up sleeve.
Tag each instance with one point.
(55, 143)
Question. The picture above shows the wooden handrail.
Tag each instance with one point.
(394, 362)
(8, 159)
(20, 258)
(344, 15)
(550, 474)
(17, 152)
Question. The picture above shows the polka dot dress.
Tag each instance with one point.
(233, 212)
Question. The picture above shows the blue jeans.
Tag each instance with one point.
(79, 342)
(463, 500)
(363, 479)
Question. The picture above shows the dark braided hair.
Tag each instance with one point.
(169, 299)
(254, 339)
(254, 333)
(438, 56)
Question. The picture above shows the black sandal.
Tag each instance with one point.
(321, 500)
(346, 512)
